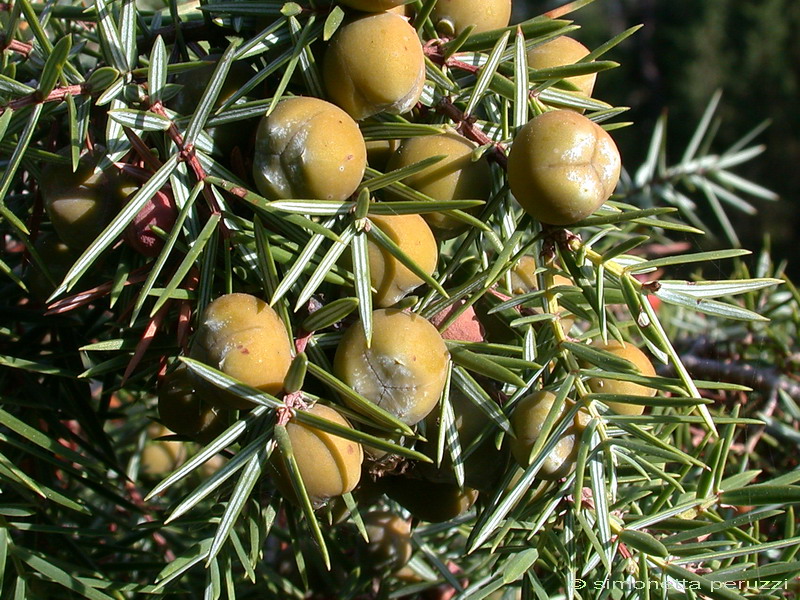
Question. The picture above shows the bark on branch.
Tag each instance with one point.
(764, 379)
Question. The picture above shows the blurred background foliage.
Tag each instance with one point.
(687, 50)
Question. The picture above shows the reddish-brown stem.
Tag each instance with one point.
(458, 64)
(465, 124)
(624, 552)
(467, 127)
(433, 50)
(57, 95)
(188, 155)
(90, 295)
(19, 47)
(147, 338)
(187, 152)
(142, 150)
